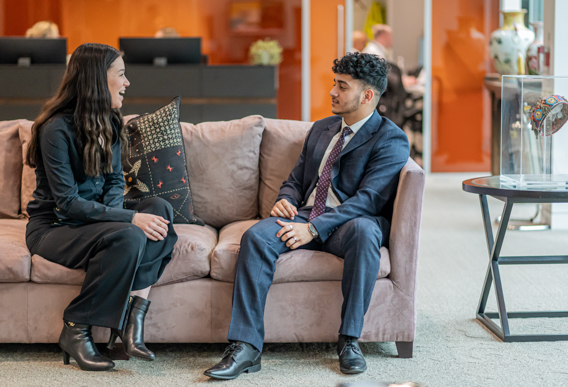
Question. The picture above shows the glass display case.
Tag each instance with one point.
(533, 143)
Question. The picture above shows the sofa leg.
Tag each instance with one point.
(404, 349)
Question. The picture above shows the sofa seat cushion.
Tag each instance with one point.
(15, 259)
(190, 260)
(191, 256)
(293, 266)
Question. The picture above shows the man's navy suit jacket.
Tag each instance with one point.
(364, 177)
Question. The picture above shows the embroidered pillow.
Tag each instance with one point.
(154, 163)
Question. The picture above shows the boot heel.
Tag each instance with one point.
(65, 358)
(254, 368)
(113, 337)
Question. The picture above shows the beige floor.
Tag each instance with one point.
(451, 348)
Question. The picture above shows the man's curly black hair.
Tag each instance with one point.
(368, 68)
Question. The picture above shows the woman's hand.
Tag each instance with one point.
(155, 227)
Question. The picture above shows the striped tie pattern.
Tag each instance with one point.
(325, 177)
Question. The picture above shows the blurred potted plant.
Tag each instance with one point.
(265, 52)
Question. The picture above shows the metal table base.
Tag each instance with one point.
(493, 277)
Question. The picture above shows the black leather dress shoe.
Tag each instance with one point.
(351, 360)
(239, 357)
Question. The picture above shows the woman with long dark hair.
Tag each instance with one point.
(77, 217)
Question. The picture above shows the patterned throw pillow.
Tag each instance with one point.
(154, 163)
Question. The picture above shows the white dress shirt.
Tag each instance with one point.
(376, 48)
(332, 200)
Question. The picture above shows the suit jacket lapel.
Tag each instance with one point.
(364, 134)
(323, 142)
(361, 137)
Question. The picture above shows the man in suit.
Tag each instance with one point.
(338, 199)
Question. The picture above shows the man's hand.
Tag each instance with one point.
(155, 227)
(284, 209)
(294, 234)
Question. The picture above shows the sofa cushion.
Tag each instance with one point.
(10, 169)
(282, 143)
(190, 260)
(28, 173)
(293, 266)
(15, 260)
(191, 256)
(47, 272)
(222, 162)
(154, 162)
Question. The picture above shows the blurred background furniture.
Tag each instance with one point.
(491, 186)
(209, 93)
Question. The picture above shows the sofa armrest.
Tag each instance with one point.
(405, 228)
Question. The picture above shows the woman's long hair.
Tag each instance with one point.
(84, 92)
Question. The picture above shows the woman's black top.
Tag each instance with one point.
(64, 192)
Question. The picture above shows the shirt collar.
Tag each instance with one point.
(356, 126)
(383, 48)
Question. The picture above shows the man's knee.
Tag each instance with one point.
(258, 232)
(364, 228)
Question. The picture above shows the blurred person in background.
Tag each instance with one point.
(381, 43)
(167, 32)
(359, 41)
(43, 29)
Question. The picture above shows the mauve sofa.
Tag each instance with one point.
(235, 170)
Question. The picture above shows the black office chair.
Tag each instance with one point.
(392, 102)
(403, 109)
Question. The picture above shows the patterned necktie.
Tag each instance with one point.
(325, 178)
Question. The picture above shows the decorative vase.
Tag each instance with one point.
(535, 52)
(508, 44)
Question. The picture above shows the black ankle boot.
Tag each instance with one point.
(132, 333)
(76, 341)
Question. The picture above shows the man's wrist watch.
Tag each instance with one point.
(313, 231)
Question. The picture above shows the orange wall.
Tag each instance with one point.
(323, 18)
(19, 15)
(461, 127)
(82, 21)
(104, 22)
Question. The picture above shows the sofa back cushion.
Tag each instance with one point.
(10, 169)
(222, 163)
(281, 146)
(28, 173)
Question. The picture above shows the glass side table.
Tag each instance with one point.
(491, 186)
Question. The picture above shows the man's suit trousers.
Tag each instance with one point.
(358, 242)
(117, 256)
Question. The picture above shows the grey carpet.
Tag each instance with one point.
(451, 348)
